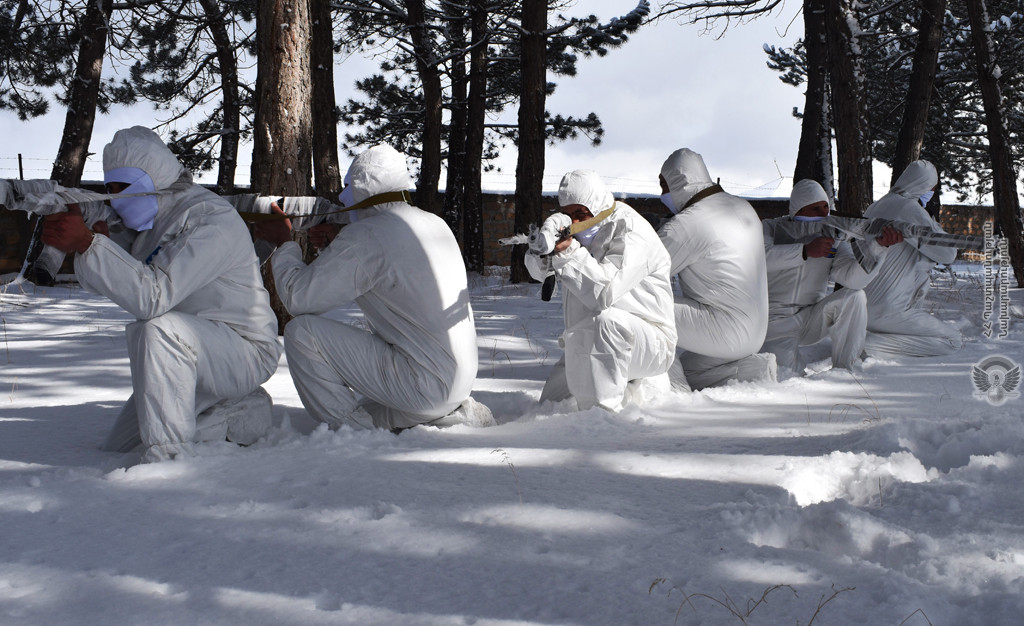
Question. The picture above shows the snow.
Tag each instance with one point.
(886, 497)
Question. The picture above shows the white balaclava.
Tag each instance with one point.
(346, 199)
(807, 192)
(666, 199)
(138, 157)
(138, 212)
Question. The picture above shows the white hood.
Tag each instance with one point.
(807, 192)
(378, 170)
(585, 187)
(919, 177)
(686, 175)
(140, 147)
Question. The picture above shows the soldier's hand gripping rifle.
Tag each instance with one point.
(542, 241)
(860, 230)
(45, 197)
(303, 212)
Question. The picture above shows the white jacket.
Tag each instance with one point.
(402, 266)
(717, 251)
(197, 259)
(903, 278)
(624, 267)
(795, 282)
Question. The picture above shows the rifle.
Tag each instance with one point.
(304, 212)
(542, 241)
(45, 197)
(859, 230)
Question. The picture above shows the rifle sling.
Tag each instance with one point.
(381, 198)
(700, 195)
(579, 227)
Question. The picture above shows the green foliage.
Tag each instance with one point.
(390, 106)
(158, 52)
(178, 70)
(790, 62)
(955, 138)
(37, 52)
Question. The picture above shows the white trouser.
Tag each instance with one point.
(333, 364)
(910, 333)
(714, 332)
(181, 365)
(842, 316)
(707, 371)
(602, 355)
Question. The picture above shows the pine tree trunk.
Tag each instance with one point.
(1004, 176)
(83, 96)
(853, 143)
(472, 215)
(814, 155)
(326, 170)
(231, 116)
(530, 164)
(454, 192)
(282, 137)
(430, 79)
(919, 91)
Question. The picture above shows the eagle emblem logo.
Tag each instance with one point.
(996, 379)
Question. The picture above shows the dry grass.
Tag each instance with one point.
(743, 613)
(508, 461)
(844, 409)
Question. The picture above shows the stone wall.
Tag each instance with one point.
(15, 232)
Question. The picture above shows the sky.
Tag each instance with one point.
(887, 497)
(670, 86)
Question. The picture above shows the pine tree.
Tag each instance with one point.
(189, 66)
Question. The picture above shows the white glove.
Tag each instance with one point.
(543, 240)
(538, 266)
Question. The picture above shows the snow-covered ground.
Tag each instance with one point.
(892, 496)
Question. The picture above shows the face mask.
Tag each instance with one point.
(807, 218)
(666, 199)
(137, 213)
(926, 197)
(345, 198)
(586, 236)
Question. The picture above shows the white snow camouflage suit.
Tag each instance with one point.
(403, 267)
(617, 303)
(717, 255)
(801, 312)
(205, 333)
(897, 325)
